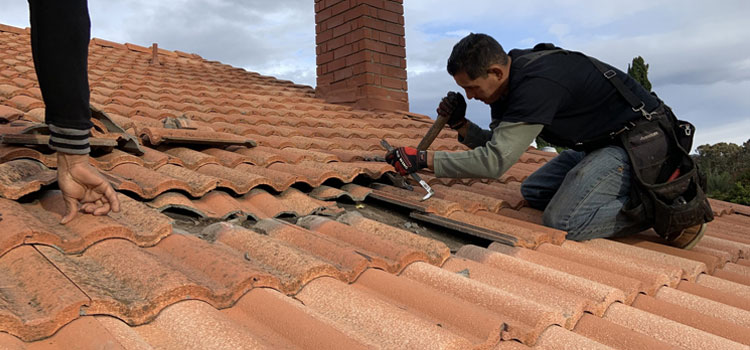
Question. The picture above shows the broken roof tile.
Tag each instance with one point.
(23, 176)
(157, 136)
(190, 158)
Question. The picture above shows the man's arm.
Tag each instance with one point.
(60, 32)
(508, 142)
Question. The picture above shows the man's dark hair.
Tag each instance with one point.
(474, 54)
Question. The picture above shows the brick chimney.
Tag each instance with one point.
(361, 53)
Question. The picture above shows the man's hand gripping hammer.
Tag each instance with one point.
(416, 177)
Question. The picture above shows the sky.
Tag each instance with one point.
(698, 51)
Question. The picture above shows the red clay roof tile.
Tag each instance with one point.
(37, 299)
(666, 330)
(9, 114)
(370, 320)
(617, 336)
(596, 291)
(179, 268)
(279, 181)
(23, 176)
(477, 323)
(630, 286)
(653, 276)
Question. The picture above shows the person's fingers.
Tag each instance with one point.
(111, 196)
(88, 208)
(102, 210)
(71, 209)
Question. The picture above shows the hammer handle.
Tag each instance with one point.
(435, 129)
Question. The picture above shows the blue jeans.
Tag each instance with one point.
(583, 193)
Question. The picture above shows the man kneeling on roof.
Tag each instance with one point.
(567, 100)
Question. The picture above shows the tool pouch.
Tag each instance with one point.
(668, 190)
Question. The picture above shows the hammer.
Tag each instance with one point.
(414, 176)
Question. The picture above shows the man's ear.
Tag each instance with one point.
(497, 71)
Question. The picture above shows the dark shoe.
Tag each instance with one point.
(689, 237)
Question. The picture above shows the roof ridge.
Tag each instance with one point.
(15, 30)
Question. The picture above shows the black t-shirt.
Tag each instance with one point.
(569, 96)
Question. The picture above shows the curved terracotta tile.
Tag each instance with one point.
(171, 200)
(292, 266)
(313, 176)
(37, 298)
(260, 155)
(196, 325)
(179, 268)
(356, 192)
(9, 114)
(560, 338)
(526, 319)
(327, 193)
(239, 182)
(279, 181)
(436, 252)
(630, 286)
(273, 141)
(302, 204)
(279, 314)
(481, 325)
(198, 184)
(23, 176)
(665, 330)
(116, 157)
(705, 306)
(471, 202)
(144, 182)
(372, 321)
(690, 268)
(135, 222)
(190, 158)
(342, 256)
(735, 249)
(740, 278)
(715, 295)
(379, 252)
(651, 242)
(568, 303)
(295, 155)
(599, 293)
(652, 275)
(616, 336)
(26, 103)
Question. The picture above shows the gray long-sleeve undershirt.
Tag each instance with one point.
(492, 154)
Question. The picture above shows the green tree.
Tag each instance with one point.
(639, 71)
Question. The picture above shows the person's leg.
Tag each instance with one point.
(588, 202)
(539, 188)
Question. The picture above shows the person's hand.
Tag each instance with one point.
(454, 106)
(407, 160)
(83, 187)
